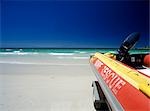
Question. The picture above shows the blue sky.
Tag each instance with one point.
(72, 24)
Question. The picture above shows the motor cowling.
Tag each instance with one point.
(127, 44)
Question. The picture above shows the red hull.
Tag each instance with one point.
(129, 97)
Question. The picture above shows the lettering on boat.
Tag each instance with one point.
(114, 82)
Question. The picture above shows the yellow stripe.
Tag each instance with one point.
(136, 79)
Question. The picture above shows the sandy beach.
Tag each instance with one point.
(45, 83)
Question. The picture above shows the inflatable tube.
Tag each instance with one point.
(147, 60)
(123, 86)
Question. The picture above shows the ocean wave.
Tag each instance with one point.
(36, 63)
(18, 53)
(61, 54)
(81, 52)
(8, 49)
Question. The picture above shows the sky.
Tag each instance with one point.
(72, 24)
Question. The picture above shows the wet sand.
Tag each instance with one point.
(45, 83)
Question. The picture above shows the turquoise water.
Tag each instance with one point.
(56, 51)
(46, 56)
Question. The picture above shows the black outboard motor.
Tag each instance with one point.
(128, 43)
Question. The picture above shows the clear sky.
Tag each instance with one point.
(72, 24)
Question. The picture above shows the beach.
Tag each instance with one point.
(42, 82)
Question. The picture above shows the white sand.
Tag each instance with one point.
(45, 83)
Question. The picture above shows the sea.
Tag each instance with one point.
(49, 56)
(62, 51)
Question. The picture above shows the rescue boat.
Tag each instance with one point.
(123, 79)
